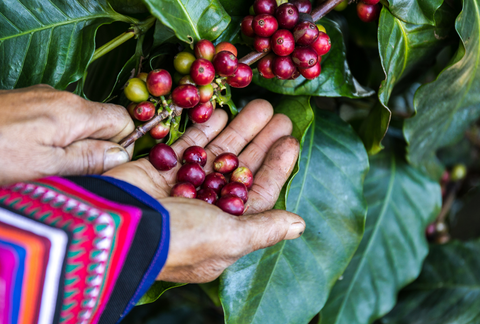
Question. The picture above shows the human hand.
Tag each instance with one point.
(204, 239)
(45, 132)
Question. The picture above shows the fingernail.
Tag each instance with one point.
(114, 156)
(295, 231)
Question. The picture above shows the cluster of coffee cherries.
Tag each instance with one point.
(291, 34)
(368, 10)
(229, 196)
(201, 73)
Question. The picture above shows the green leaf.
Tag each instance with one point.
(211, 289)
(157, 290)
(49, 42)
(237, 7)
(420, 12)
(191, 20)
(300, 112)
(447, 291)
(293, 278)
(232, 33)
(179, 125)
(394, 245)
(336, 80)
(233, 108)
(374, 128)
(129, 6)
(447, 106)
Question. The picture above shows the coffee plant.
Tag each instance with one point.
(384, 99)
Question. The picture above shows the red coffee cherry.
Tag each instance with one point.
(368, 13)
(283, 67)
(226, 46)
(215, 181)
(184, 189)
(242, 77)
(225, 163)
(282, 42)
(207, 195)
(261, 44)
(236, 189)
(304, 57)
(312, 72)
(264, 7)
(247, 27)
(295, 74)
(191, 172)
(305, 33)
(265, 25)
(287, 16)
(163, 157)
(187, 79)
(243, 175)
(231, 204)
(304, 6)
(204, 49)
(206, 92)
(144, 111)
(160, 130)
(369, 2)
(225, 63)
(159, 82)
(202, 72)
(322, 44)
(186, 96)
(195, 154)
(265, 65)
(201, 112)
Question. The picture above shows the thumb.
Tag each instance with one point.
(91, 157)
(270, 227)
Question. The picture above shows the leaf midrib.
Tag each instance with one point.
(380, 218)
(51, 26)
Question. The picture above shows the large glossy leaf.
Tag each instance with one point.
(48, 42)
(415, 11)
(447, 291)
(336, 80)
(447, 106)
(293, 278)
(157, 290)
(393, 246)
(191, 20)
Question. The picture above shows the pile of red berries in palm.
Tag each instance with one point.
(212, 188)
(200, 74)
(291, 34)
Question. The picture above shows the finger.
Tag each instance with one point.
(273, 174)
(251, 120)
(270, 227)
(254, 154)
(89, 157)
(199, 135)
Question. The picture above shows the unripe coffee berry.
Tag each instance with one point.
(261, 44)
(322, 44)
(243, 175)
(231, 204)
(186, 80)
(159, 82)
(202, 72)
(136, 90)
(160, 130)
(130, 108)
(184, 189)
(195, 154)
(183, 62)
(305, 33)
(186, 96)
(225, 63)
(204, 49)
(264, 7)
(163, 157)
(303, 6)
(242, 77)
(312, 72)
(142, 76)
(282, 42)
(304, 57)
(283, 67)
(206, 92)
(368, 13)
(201, 112)
(265, 25)
(287, 16)
(264, 66)
(191, 172)
(226, 46)
(207, 195)
(144, 111)
(236, 189)
(225, 163)
(215, 181)
(246, 26)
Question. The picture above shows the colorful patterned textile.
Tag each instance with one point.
(45, 277)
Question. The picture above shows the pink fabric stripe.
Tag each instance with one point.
(8, 266)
